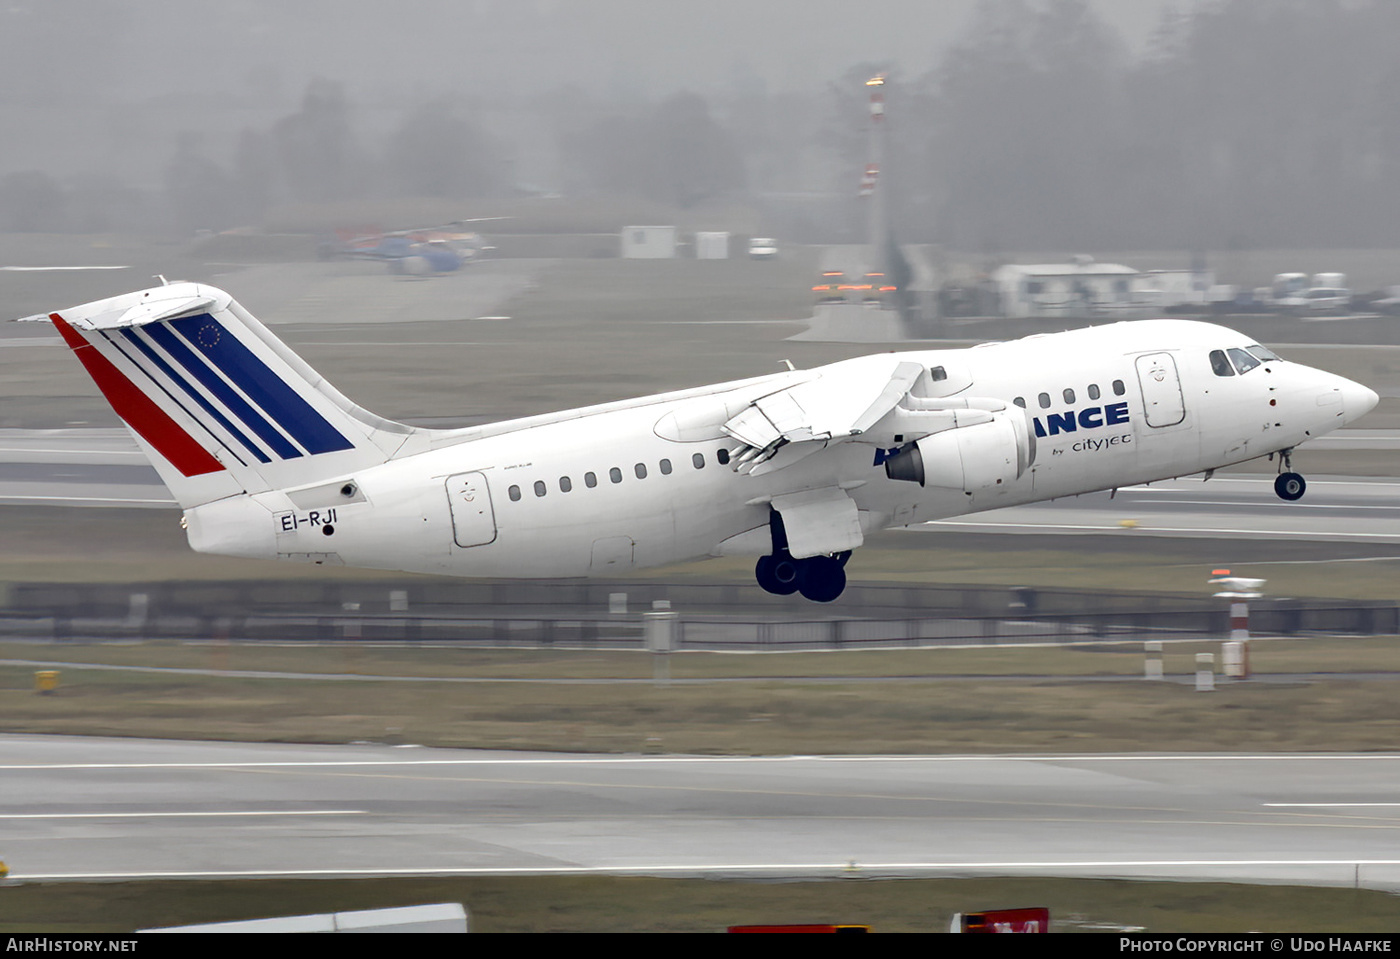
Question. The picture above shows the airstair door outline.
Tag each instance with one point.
(612, 554)
(473, 519)
(1162, 402)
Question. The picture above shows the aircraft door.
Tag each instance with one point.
(1162, 402)
(473, 519)
(612, 554)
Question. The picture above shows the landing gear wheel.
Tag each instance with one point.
(777, 574)
(1290, 486)
(823, 579)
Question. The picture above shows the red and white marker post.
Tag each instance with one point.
(1239, 590)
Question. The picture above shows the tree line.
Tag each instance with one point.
(1244, 123)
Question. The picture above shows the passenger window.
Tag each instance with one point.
(514, 494)
(539, 487)
(665, 467)
(1069, 397)
(1118, 388)
(590, 480)
(1020, 401)
(615, 475)
(1243, 361)
(699, 460)
(1093, 391)
(939, 374)
(722, 456)
(565, 484)
(641, 470)
(1220, 364)
(1044, 400)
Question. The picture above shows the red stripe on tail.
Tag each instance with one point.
(151, 422)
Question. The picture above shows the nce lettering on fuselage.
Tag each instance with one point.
(1089, 418)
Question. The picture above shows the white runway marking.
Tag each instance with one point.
(324, 343)
(712, 760)
(57, 269)
(184, 815)
(115, 501)
(846, 867)
(1147, 528)
(1268, 505)
(1330, 805)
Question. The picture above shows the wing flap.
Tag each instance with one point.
(836, 406)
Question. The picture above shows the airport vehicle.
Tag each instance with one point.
(796, 467)
(763, 248)
(1288, 284)
(832, 287)
(1320, 299)
(876, 289)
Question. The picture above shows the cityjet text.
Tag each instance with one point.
(1093, 446)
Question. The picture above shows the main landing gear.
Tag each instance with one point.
(1289, 485)
(818, 578)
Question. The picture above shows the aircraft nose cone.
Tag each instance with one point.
(1357, 400)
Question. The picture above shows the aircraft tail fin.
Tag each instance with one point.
(220, 405)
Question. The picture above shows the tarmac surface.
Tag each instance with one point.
(77, 808)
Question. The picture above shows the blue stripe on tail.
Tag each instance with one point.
(251, 375)
(198, 397)
(255, 421)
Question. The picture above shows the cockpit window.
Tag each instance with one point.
(1243, 361)
(1262, 352)
(1220, 363)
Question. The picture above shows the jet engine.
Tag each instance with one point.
(972, 458)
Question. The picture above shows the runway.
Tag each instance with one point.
(79, 808)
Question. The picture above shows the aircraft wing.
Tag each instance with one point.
(831, 408)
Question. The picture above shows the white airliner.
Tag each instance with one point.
(269, 460)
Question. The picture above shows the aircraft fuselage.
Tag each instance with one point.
(650, 482)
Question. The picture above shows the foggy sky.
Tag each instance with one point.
(638, 48)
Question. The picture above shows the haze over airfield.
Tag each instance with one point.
(637, 48)
(1015, 125)
(217, 67)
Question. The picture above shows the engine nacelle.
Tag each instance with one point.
(971, 458)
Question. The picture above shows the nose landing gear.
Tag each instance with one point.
(1289, 485)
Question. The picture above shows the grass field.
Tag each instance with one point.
(621, 904)
(923, 701)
